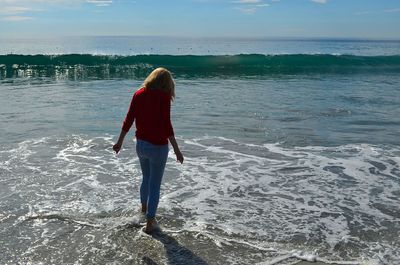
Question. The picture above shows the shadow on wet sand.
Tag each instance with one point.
(177, 254)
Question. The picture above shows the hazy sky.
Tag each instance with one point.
(199, 18)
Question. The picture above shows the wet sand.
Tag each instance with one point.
(314, 263)
(319, 263)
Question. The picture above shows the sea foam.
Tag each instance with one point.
(307, 203)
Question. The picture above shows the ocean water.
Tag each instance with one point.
(291, 152)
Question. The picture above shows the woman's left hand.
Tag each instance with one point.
(117, 147)
(179, 156)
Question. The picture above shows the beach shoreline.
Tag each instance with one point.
(315, 263)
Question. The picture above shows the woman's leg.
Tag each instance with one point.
(145, 166)
(158, 159)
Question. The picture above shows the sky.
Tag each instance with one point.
(376, 19)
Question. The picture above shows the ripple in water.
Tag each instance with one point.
(71, 200)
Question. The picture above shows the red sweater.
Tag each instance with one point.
(151, 109)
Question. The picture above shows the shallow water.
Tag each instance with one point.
(298, 110)
(230, 201)
(278, 168)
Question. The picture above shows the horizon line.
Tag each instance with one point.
(272, 38)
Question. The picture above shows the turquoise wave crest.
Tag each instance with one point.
(113, 66)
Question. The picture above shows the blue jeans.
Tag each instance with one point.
(152, 161)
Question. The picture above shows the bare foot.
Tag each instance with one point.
(151, 225)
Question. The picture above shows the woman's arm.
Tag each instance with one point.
(126, 125)
(118, 145)
(177, 152)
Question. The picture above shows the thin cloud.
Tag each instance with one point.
(16, 18)
(20, 10)
(30, 2)
(100, 2)
(249, 6)
(16, 13)
(15, 10)
(361, 13)
(250, 10)
(54, 2)
(247, 1)
(320, 1)
(393, 10)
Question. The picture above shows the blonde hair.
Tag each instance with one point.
(161, 79)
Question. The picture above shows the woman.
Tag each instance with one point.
(150, 109)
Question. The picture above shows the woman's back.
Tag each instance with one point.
(150, 108)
